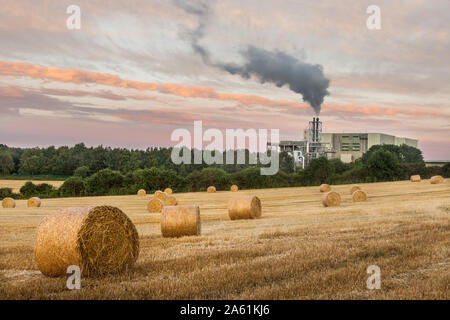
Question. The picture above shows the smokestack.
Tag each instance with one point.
(314, 130)
(317, 129)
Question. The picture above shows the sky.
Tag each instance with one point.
(132, 74)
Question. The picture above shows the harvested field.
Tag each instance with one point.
(298, 249)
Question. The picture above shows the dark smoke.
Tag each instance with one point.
(267, 66)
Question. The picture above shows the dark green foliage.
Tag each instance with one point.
(43, 190)
(106, 171)
(82, 172)
(382, 165)
(446, 170)
(319, 171)
(201, 180)
(6, 163)
(6, 193)
(104, 182)
(73, 187)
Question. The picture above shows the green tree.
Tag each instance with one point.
(73, 187)
(82, 172)
(6, 163)
(200, 180)
(6, 192)
(446, 170)
(319, 171)
(382, 165)
(104, 182)
(251, 178)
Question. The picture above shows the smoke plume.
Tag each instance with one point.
(275, 67)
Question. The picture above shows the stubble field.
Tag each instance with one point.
(297, 250)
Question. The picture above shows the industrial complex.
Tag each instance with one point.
(345, 146)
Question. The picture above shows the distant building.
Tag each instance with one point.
(436, 163)
(344, 146)
(351, 146)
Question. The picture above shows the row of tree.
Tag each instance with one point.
(380, 163)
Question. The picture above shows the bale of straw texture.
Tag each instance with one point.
(155, 205)
(244, 207)
(9, 203)
(234, 188)
(99, 239)
(354, 188)
(180, 221)
(359, 196)
(415, 178)
(331, 199)
(160, 195)
(141, 193)
(34, 202)
(170, 201)
(325, 187)
(168, 191)
(211, 189)
(436, 180)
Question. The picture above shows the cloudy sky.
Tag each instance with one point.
(131, 74)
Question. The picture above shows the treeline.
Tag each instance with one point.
(83, 161)
(105, 171)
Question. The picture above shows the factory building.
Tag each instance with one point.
(351, 146)
(345, 146)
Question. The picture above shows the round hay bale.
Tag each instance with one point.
(160, 195)
(234, 188)
(415, 178)
(211, 189)
(180, 221)
(171, 201)
(34, 202)
(8, 203)
(155, 205)
(325, 187)
(168, 191)
(141, 193)
(244, 207)
(359, 196)
(354, 188)
(436, 180)
(331, 199)
(99, 239)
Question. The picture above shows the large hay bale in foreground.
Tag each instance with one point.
(325, 187)
(160, 195)
(211, 189)
(354, 188)
(155, 205)
(234, 188)
(415, 178)
(359, 196)
(436, 180)
(168, 191)
(331, 199)
(171, 201)
(8, 203)
(34, 202)
(180, 221)
(141, 193)
(244, 207)
(99, 239)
